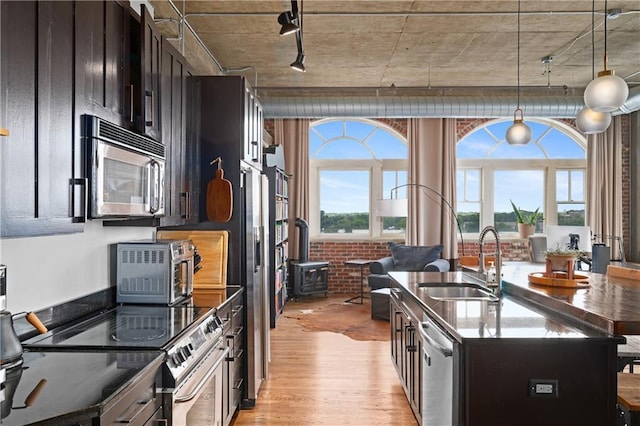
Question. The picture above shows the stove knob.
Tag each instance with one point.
(184, 353)
(187, 351)
(178, 358)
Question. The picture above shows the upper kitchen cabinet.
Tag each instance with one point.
(102, 72)
(231, 102)
(37, 166)
(144, 63)
(179, 118)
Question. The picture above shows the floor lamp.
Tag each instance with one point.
(397, 207)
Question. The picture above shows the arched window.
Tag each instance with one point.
(549, 174)
(352, 162)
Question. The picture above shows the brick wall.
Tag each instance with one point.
(345, 279)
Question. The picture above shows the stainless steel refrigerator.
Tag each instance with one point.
(256, 219)
(230, 128)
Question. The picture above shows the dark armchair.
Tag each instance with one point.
(405, 258)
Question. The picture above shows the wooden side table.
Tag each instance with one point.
(361, 263)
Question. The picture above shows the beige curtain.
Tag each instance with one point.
(432, 163)
(604, 184)
(293, 135)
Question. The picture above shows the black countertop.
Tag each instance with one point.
(508, 318)
(64, 387)
(68, 387)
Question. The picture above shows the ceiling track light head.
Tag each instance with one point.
(298, 65)
(285, 19)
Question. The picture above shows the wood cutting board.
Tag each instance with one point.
(219, 198)
(213, 246)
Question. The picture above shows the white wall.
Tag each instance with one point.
(46, 271)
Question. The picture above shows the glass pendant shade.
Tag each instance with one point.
(590, 122)
(518, 133)
(607, 93)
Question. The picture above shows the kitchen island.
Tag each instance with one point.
(508, 361)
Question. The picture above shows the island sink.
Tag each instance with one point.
(457, 291)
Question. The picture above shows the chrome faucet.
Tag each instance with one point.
(498, 263)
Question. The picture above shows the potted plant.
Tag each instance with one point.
(558, 258)
(526, 221)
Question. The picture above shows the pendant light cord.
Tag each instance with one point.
(593, 39)
(518, 43)
(605, 35)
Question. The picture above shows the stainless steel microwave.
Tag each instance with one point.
(125, 170)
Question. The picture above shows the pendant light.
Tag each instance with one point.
(608, 92)
(518, 133)
(589, 121)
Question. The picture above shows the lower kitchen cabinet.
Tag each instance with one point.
(406, 354)
(231, 314)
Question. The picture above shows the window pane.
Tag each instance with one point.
(469, 217)
(570, 185)
(475, 145)
(571, 214)
(387, 145)
(343, 148)
(344, 202)
(577, 185)
(392, 179)
(525, 188)
(530, 151)
(559, 145)
(562, 185)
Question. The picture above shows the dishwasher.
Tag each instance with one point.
(437, 374)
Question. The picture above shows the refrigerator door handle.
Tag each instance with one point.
(257, 255)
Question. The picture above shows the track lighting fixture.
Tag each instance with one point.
(298, 65)
(608, 92)
(518, 133)
(288, 20)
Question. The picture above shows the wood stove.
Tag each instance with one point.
(307, 277)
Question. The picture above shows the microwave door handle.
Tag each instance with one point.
(154, 177)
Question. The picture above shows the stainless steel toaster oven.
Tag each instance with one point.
(154, 272)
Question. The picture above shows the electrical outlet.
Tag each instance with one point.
(543, 388)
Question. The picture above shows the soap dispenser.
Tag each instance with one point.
(491, 275)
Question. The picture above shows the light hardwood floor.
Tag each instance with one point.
(323, 378)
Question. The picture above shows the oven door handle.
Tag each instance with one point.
(204, 380)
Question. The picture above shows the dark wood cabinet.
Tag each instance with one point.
(232, 315)
(37, 84)
(101, 60)
(234, 114)
(177, 117)
(144, 82)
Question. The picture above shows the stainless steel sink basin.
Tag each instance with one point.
(456, 291)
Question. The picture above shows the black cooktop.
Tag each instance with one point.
(125, 327)
(70, 387)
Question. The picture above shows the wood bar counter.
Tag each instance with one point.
(609, 303)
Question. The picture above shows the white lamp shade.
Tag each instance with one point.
(590, 122)
(518, 133)
(392, 207)
(606, 93)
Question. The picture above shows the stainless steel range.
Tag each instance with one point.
(190, 336)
